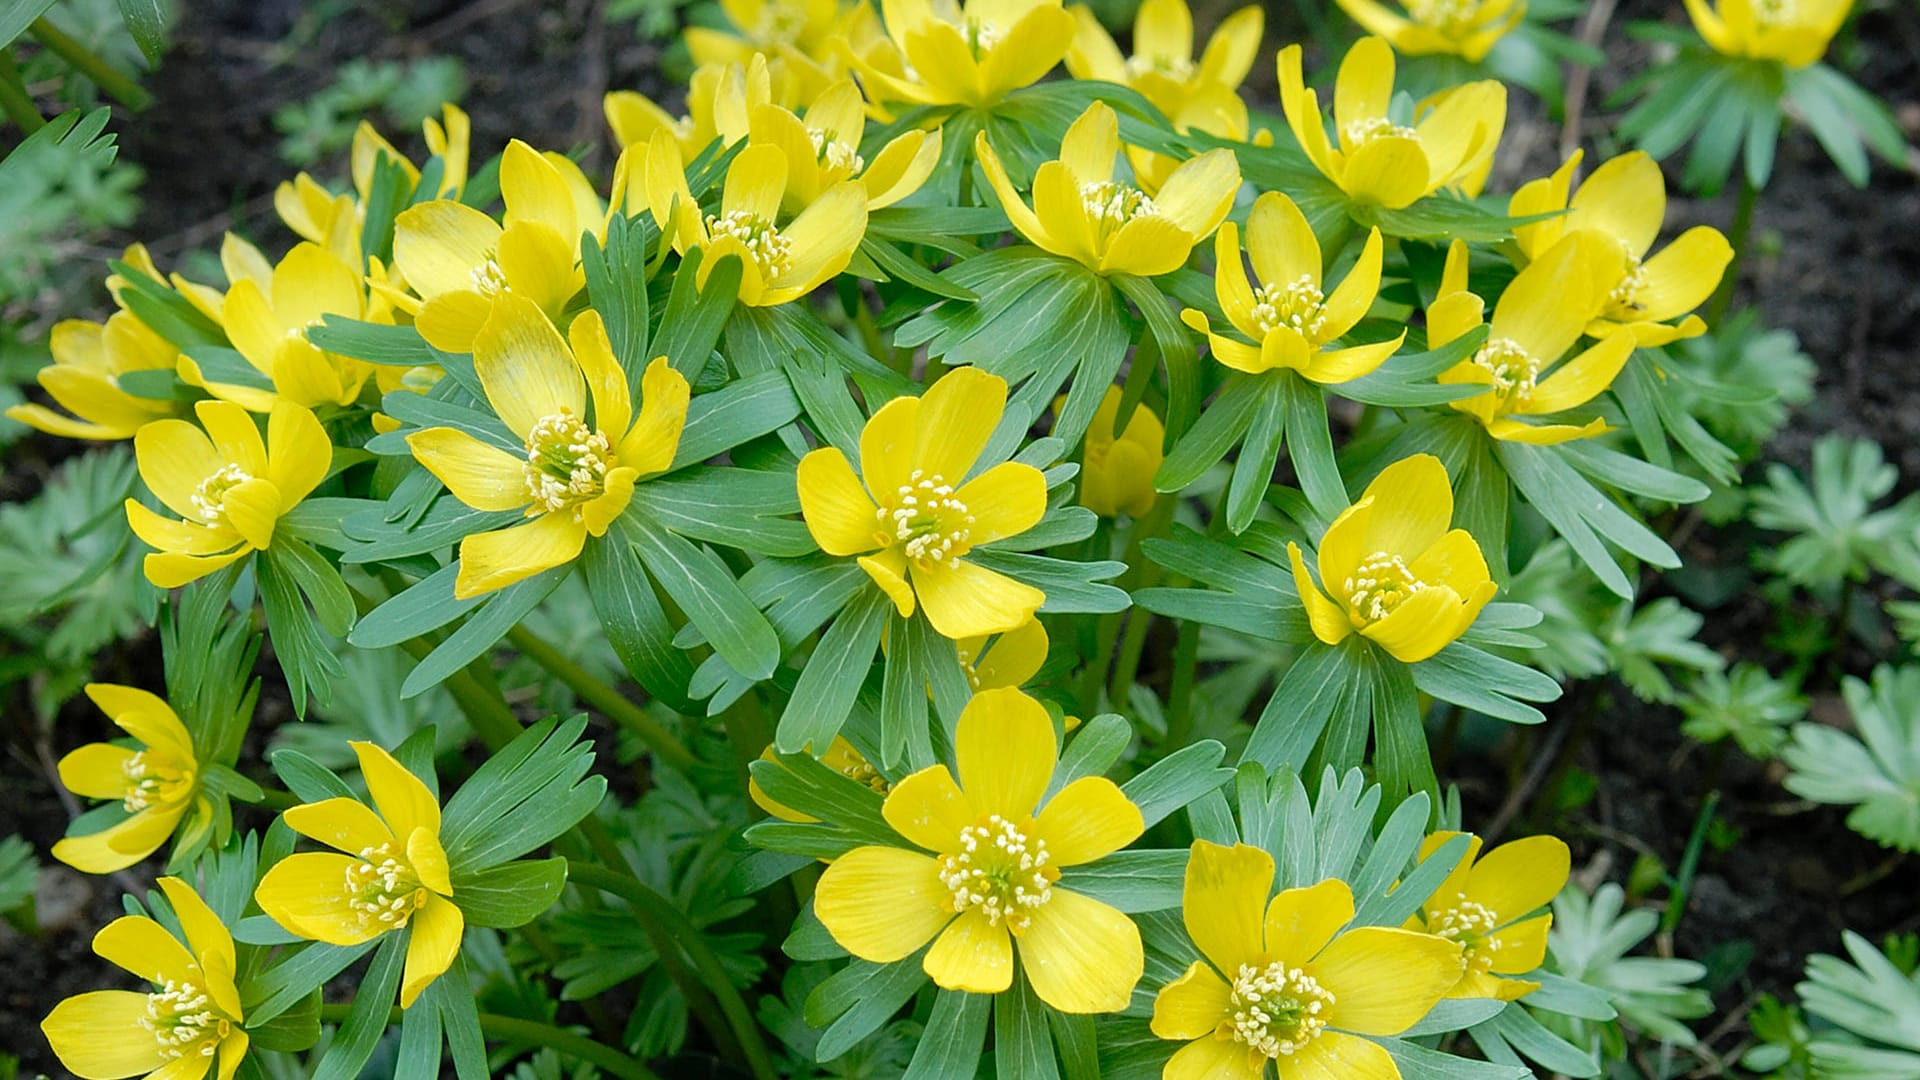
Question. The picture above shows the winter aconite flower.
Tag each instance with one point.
(1081, 212)
(1625, 202)
(1117, 474)
(575, 471)
(89, 360)
(228, 486)
(1288, 316)
(1543, 312)
(1282, 981)
(1794, 32)
(840, 757)
(1392, 571)
(823, 148)
(999, 661)
(912, 514)
(968, 53)
(984, 878)
(1485, 905)
(268, 324)
(1383, 159)
(1162, 66)
(720, 96)
(388, 873)
(158, 784)
(1464, 28)
(190, 1023)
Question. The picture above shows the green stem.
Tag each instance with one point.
(1742, 229)
(656, 909)
(1143, 574)
(1186, 654)
(14, 99)
(104, 75)
(514, 1029)
(604, 698)
(747, 730)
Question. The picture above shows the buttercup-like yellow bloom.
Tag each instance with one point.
(1377, 159)
(228, 486)
(1625, 201)
(1288, 315)
(189, 1024)
(268, 324)
(460, 261)
(205, 299)
(1116, 475)
(84, 379)
(577, 472)
(334, 221)
(1082, 213)
(967, 53)
(720, 99)
(1464, 28)
(1395, 572)
(778, 263)
(999, 662)
(159, 784)
(1282, 981)
(1794, 32)
(1484, 905)
(1212, 110)
(824, 149)
(842, 758)
(1541, 315)
(810, 38)
(911, 515)
(393, 875)
(987, 876)
(1162, 67)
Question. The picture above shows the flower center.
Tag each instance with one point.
(1112, 205)
(837, 158)
(1772, 13)
(1624, 301)
(1361, 132)
(1449, 18)
(488, 279)
(927, 519)
(1380, 584)
(567, 462)
(210, 498)
(1277, 1010)
(1512, 370)
(771, 252)
(183, 1020)
(1299, 305)
(150, 782)
(982, 36)
(1000, 869)
(383, 889)
(779, 24)
(1470, 924)
(1178, 68)
(860, 772)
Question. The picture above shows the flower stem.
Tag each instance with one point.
(514, 1029)
(1742, 228)
(15, 101)
(657, 912)
(104, 75)
(604, 698)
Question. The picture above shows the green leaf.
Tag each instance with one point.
(147, 22)
(295, 975)
(528, 792)
(1132, 881)
(831, 681)
(318, 581)
(693, 319)
(949, 1049)
(502, 611)
(1022, 1045)
(1177, 779)
(857, 999)
(1177, 351)
(1220, 427)
(744, 409)
(304, 656)
(1316, 683)
(290, 1031)
(746, 509)
(1253, 469)
(366, 1020)
(635, 623)
(375, 343)
(705, 589)
(15, 17)
(511, 894)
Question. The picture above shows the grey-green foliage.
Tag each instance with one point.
(1643, 642)
(1589, 943)
(1747, 704)
(404, 93)
(1878, 773)
(58, 191)
(367, 705)
(1874, 1004)
(1782, 1050)
(882, 1056)
(1837, 534)
(1741, 380)
(19, 875)
(1568, 600)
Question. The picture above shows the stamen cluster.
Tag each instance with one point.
(1298, 304)
(1001, 870)
(1472, 925)
(143, 787)
(1178, 68)
(567, 462)
(1112, 205)
(1450, 18)
(1277, 1010)
(1380, 583)
(488, 279)
(837, 157)
(982, 36)
(928, 519)
(1624, 300)
(861, 772)
(1514, 370)
(771, 252)
(383, 889)
(210, 498)
(183, 1021)
(1361, 132)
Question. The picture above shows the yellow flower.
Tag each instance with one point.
(805, 36)
(1394, 570)
(1162, 66)
(1375, 158)
(393, 875)
(268, 324)
(1212, 110)
(1625, 201)
(190, 1023)
(824, 149)
(987, 873)
(1484, 905)
(778, 263)
(84, 379)
(1541, 315)
(334, 221)
(720, 98)
(576, 473)
(1117, 474)
(968, 53)
(1287, 314)
(1794, 32)
(842, 758)
(1283, 983)
(159, 784)
(204, 299)
(1008, 660)
(1082, 213)
(460, 260)
(911, 515)
(1464, 28)
(228, 486)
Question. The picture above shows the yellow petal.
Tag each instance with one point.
(1336, 366)
(1543, 434)
(649, 447)
(1423, 624)
(1328, 619)
(495, 560)
(533, 190)
(1223, 899)
(887, 458)
(598, 514)
(1090, 144)
(1390, 171)
(1012, 659)
(306, 894)
(97, 1035)
(1191, 1006)
(957, 415)
(405, 803)
(1349, 301)
(1456, 881)
(964, 599)
(1300, 922)
(1382, 980)
(182, 537)
(1029, 50)
(138, 944)
(1163, 30)
(973, 955)
(1683, 275)
(1302, 107)
(252, 507)
(1082, 956)
(310, 283)
(1214, 1058)
(251, 326)
(432, 945)
(901, 167)
(1011, 203)
(1582, 378)
(210, 940)
(755, 181)
(1061, 207)
(1546, 306)
(888, 569)
(823, 238)
(1093, 54)
(121, 845)
(1004, 501)
(342, 823)
(540, 264)
(437, 245)
(170, 571)
(1412, 506)
(1231, 50)
(1089, 819)
(298, 451)
(174, 457)
(451, 320)
(1281, 243)
(1147, 246)
(1454, 561)
(1452, 316)
(1519, 877)
(1349, 1057)
(1200, 192)
(882, 904)
(526, 368)
(482, 476)
(928, 809)
(1005, 751)
(1364, 86)
(96, 771)
(1625, 198)
(835, 506)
